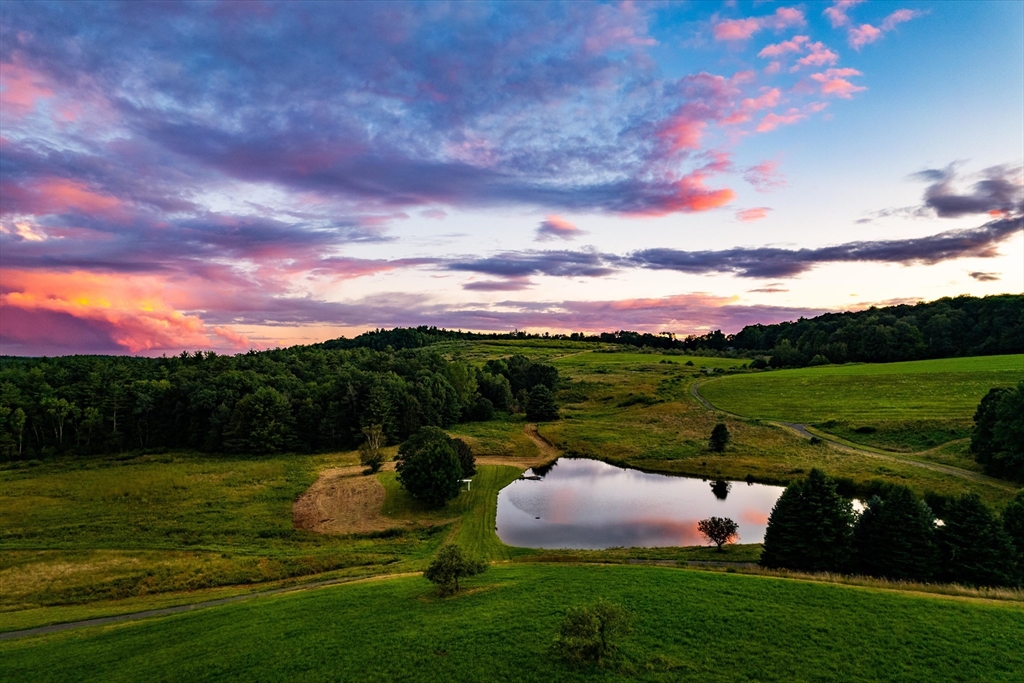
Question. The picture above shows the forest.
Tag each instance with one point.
(945, 328)
(300, 399)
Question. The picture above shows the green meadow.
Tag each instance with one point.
(908, 406)
(687, 626)
(106, 535)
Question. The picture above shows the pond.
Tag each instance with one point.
(588, 504)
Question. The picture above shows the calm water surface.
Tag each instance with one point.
(588, 504)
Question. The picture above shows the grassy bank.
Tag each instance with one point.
(687, 626)
(903, 406)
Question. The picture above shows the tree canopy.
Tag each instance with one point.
(810, 528)
(428, 467)
(997, 441)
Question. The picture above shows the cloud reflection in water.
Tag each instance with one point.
(589, 504)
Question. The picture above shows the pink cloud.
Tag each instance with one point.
(132, 313)
(837, 12)
(833, 82)
(20, 89)
(742, 29)
(55, 196)
(736, 29)
(772, 120)
(764, 176)
(754, 214)
(819, 55)
(682, 132)
(766, 100)
(554, 227)
(795, 44)
(863, 35)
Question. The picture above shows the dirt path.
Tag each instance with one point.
(801, 430)
(547, 450)
(343, 501)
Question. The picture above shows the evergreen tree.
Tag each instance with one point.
(540, 405)
(973, 546)
(998, 438)
(810, 527)
(428, 467)
(1013, 523)
(894, 538)
(719, 438)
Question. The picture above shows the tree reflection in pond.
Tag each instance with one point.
(588, 504)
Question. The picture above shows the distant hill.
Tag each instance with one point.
(945, 328)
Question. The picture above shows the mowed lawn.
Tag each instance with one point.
(687, 626)
(918, 403)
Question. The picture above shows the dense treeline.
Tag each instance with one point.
(303, 399)
(997, 442)
(949, 327)
(813, 528)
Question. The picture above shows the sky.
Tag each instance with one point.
(234, 175)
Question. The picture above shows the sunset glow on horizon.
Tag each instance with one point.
(236, 175)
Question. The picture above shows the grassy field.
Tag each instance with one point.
(902, 406)
(687, 625)
(114, 534)
(637, 410)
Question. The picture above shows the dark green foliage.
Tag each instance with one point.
(523, 373)
(428, 467)
(758, 363)
(482, 410)
(998, 438)
(1013, 522)
(719, 438)
(587, 631)
(370, 454)
(540, 405)
(304, 399)
(450, 565)
(496, 389)
(974, 548)
(718, 530)
(894, 538)
(949, 327)
(810, 527)
(466, 459)
(260, 423)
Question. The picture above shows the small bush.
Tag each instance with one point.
(449, 566)
(587, 631)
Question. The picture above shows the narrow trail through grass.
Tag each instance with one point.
(803, 431)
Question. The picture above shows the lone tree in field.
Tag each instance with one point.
(895, 537)
(719, 438)
(540, 404)
(370, 454)
(449, 566)
(998, 438)
(719, 530)
(428, 467)
(587, 631)
(810, 528)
